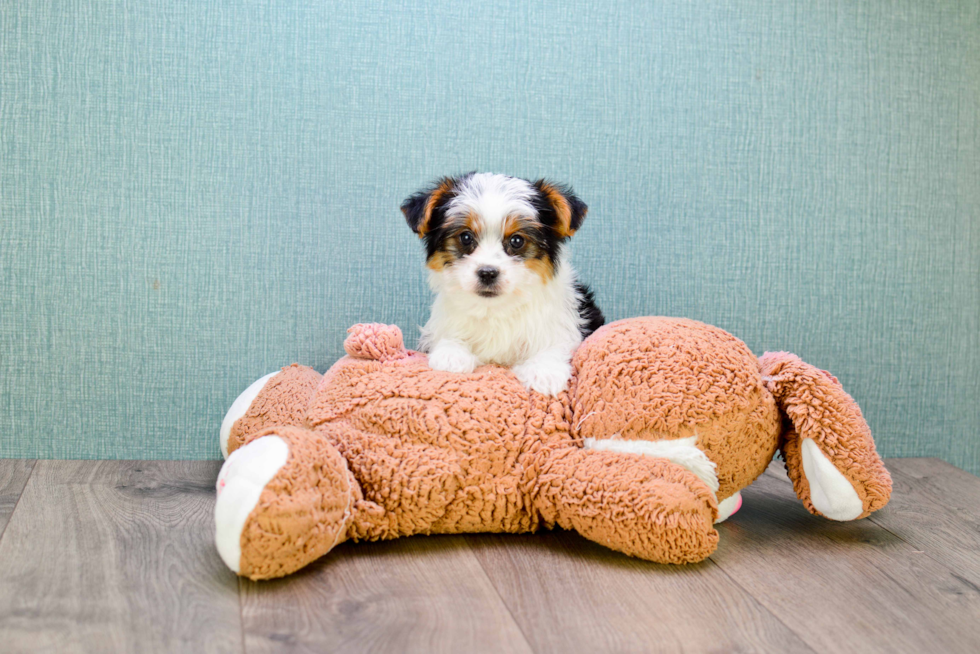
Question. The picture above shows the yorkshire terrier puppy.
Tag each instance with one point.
(504, 292)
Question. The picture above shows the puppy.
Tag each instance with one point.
(505, 293)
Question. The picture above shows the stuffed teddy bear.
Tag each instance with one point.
(664, 422)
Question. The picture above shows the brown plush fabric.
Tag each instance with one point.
(382, 446)
(439, 452)
(818, 408)
(284, 401)
(670, 378)
(375, 341)
(303, 512)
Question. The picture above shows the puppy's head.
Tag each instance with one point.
(493, 235)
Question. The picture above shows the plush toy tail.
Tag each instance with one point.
(830, 455)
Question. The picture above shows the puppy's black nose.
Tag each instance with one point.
(488, 275)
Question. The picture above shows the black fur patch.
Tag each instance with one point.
(438, 231)
(414, 209)
(592, 318)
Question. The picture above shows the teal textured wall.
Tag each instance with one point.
(195, 192)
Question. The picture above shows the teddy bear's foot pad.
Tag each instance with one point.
(830, 492)
(285, 498)
(241, 481)
(728, 507)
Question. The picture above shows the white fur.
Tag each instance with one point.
(830, 491)
(238, 409)
(452, 356)
(240, 483)
(493, 197)
(510, 328)
(547, 371)
(681, 451)
(532, 324)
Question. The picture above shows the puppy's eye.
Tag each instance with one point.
(466, 239)
(516, 241)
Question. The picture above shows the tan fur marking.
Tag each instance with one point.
(543, 267)
(444, 187)
(447, 256)
(439, 261)
(561, 207)
(512, 225)
(474, 223)
(536, 260)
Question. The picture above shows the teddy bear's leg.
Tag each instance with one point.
(682, 451)
(238, 409)
(643, 506)
(285, 498)
(830, 454)
(279, 398)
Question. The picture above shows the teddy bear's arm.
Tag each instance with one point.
(830, 454)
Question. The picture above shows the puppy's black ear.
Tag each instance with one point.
(567, 211)
(420, 206)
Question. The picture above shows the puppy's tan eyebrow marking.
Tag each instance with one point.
(471, 222)
(474, 223)
(514, 223)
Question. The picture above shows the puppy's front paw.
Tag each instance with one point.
(548, 377)
(452, 357)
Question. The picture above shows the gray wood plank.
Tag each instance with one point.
(935, 507)
(13, 477)
(116, 556)
(940, 479)
(419, 594)
(572, 595)
(851, 585)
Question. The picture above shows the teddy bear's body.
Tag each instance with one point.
(665, 421)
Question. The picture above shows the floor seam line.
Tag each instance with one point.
(19, 496)
(761, 604)
(496, 592)
(241, 614)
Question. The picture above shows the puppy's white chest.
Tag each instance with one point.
(501, 342)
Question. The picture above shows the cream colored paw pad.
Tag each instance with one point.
(830, 492)
(241, 481)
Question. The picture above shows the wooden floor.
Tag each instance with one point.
(104, 556)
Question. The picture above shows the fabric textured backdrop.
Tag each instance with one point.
(195, 192)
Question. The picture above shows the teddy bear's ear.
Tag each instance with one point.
(375, 341)
(561, 209)
(420, 206)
